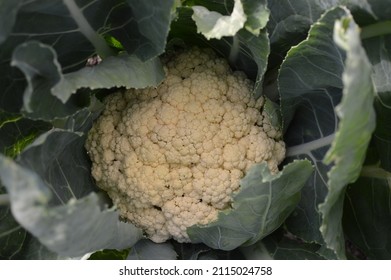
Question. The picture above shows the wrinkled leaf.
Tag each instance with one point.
(310, 83)
(261, 206)
(120, 71)
(215, 25)
(47, 200)
(349, 147)
(367, 216)
(145, 249)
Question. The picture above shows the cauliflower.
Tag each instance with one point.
(171, 157)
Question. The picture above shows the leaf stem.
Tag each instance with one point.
(309, 146)
(4, 199)
(376, 29)
(97, 41)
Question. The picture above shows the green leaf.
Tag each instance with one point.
(145, 249)
(121, 71)
(215, 25)
(257, 15)
(261, 206)
(367, 216)
(76, 33)
(357, 123)
(146, 34)
(47, 200)
(292, 19)
(42, 71)
(310, 84)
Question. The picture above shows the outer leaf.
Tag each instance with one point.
(215, 25)
(292, 19)
(15, 134)
(145, 249)
(42, 71)
(47, 198)
(59, 158)
(261, 206)
(76, 33)
(367, 216)
(121, 71)
(357, 123)
(145, 35)
(311, 86)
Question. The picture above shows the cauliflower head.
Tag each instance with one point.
(171, 157)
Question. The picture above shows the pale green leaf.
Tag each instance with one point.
(261, 206)
(310, 84)
(257, 15)
(215, 25)
(355, 129)
(120, 71)
(47, 198)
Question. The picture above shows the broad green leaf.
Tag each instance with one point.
(145, 249)
(76, 33)
(47, 200)
(215, 25)
(292, 19)
(8, 11)
(42, 71)
(120, 71)
(261, 206)
(310, 84)
(367, 216)
(146, 34)
(245, 52)
(357, 123)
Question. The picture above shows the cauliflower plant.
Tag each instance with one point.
(171, 157)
